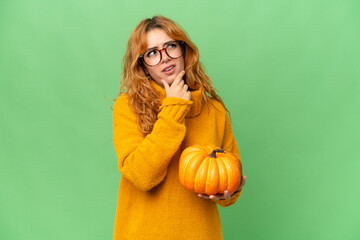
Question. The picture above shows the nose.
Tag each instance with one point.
(164, 56)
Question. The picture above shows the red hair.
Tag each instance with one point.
(136, 82)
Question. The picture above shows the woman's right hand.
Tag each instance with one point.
(178, 88)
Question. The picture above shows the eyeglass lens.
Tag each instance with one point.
(173, 50)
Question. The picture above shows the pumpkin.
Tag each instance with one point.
(209, 170)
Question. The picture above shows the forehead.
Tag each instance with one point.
(156, 38)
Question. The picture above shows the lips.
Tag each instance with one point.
(168, 67)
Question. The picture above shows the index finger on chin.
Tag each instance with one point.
(179, 77)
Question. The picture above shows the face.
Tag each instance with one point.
(156, 38)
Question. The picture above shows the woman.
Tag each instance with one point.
(166, 103)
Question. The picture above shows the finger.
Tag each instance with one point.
(181, 83)
(203, 196)
(243, 181)
(188, 95)
(226, 194)
(166, 86)
(185, 87)
(178, 78)
(219, 197)
(215, 197)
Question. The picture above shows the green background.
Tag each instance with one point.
(287, 70)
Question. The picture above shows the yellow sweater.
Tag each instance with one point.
(152, 204)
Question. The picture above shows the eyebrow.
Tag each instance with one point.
(157, 47)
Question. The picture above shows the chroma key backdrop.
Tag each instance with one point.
(288, 71)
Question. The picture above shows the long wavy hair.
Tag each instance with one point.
(135, 81)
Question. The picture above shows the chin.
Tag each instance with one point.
(170, 82)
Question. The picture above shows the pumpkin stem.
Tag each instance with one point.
(213, 154)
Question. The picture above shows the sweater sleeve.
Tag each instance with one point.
(144, 160)
(230, 145)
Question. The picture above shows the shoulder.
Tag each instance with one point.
(122, 106)
(123, 113)
(122, 101)
(217, 106)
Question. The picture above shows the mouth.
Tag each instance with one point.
(169, 68)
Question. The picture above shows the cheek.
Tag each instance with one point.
(157, 71)
(152, 70)
(182, 61)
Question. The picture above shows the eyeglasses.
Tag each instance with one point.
(173, 49)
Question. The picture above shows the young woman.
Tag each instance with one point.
(166, 104)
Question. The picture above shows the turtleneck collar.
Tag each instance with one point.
(196, 98)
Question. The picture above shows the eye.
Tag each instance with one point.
(172, 45)
(151, 53)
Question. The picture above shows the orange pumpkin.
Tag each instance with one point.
(209, 170)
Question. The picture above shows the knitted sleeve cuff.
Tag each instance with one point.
(176, 108)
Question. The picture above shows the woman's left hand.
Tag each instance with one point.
(226, 194)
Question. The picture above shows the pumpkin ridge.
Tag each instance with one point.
(217, 164)
(187, 163)
(197, 174)
(207, 176)
(227, 172)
